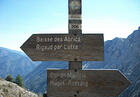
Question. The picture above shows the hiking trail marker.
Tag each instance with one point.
(75, 47)
(85, 83)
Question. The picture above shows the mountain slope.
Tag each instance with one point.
(14, 62)
(122, 54)
(131, 66)
(36, 80)
(8, 89)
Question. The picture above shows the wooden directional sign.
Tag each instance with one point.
(85, 83)
(65, 47)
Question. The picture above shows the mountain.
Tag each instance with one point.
(9, 89)
(131, 64)
(14, 62)
(119, 53)
(36, 80)
(123, 54)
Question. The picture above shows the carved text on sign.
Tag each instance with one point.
(68, 75)
(64, 47)
(56, 47)
(69, 83)
(58, 39)
(88, 83)
(75, 26)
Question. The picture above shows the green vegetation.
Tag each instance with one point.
(19, 80)
(9, 78)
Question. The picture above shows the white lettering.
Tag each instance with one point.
(46, 39)
(70, 47)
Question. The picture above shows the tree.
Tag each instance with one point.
(19, 80)
(9, 78)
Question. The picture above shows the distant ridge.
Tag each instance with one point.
(14, 62)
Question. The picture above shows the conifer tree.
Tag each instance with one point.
(19, 80)
(9, 78)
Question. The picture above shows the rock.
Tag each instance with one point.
(9, 89)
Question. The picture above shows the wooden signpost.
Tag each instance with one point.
(65, 47)
(75, 47)
(85, 83)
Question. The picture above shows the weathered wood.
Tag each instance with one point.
(75, 27)
(75, 65)
(75, 19)
(65, 47)
(85, 83)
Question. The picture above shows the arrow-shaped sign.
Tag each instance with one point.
(85, 83)
(65, 47)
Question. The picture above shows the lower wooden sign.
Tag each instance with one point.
(85, 83)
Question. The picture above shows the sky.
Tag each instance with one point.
(19, 19)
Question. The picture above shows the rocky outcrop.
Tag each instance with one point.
(8, 89)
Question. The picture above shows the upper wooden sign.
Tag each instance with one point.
(65, 47)
(85, 83)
